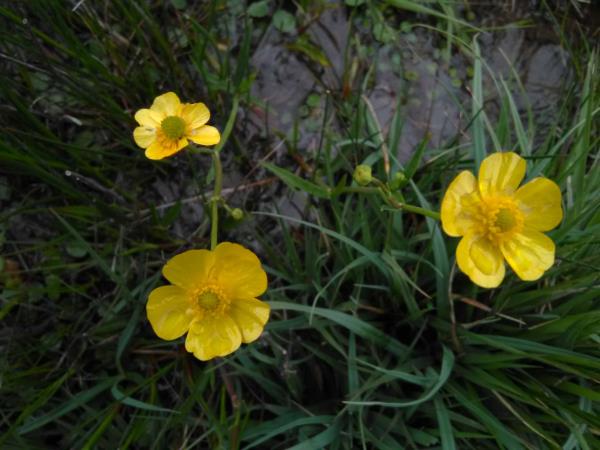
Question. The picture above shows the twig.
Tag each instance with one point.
(224, 192)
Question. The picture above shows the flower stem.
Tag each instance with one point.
(388, 197)
(214, 201)
(414, 209)
(218, 169)
(229, 124)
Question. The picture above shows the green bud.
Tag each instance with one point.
(237, 214)
(398, 181)
(362, 174)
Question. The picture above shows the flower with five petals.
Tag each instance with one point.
(498, 220)
(168, 126)
(212, 298)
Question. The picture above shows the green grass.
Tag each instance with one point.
(376, 340)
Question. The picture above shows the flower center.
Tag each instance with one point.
(208, 300)
(173, 127)
(505, 220)
(500, 218)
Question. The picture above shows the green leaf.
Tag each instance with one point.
(76, 249)
(312, 51)
(138, 404)
(444, 425)
(445, 371)
(179, 4)
(297, 183)
(75, 402)
(284, 21)
(259, 9)
(354, 324)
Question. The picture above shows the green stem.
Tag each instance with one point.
(414, 209)
(359, 190)
(214, 201)
(229, 124)
(218, 169)
(387, 196)
(392, 201)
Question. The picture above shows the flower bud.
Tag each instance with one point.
(362, 175)
(398, 181)
(237, 214)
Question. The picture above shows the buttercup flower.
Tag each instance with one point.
(212, 298)
(500, 220)
(168, 125)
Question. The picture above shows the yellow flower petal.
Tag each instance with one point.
(457, 210)
(539, 200)
(480, 260)
(238, 271)
(160, 151)
(167, 104)
(148, 118)
(205, 135)
(189, 269)
(210, 337)
(501, 173)
(195, 114)
(251, 315)
(166, 310)
(144, 137)
(530, 254)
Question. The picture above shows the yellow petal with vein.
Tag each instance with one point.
(212, 337)
(501, 173)
(189, 269)
(457, 211)
(251, 315)
(481, 260)
(195, 114)
(166, 311)
(238, 271)
(204, 135)
(144, 137)
(530, 254)
(167, 104)
(149, 118)
(539, 200)
(160, 151)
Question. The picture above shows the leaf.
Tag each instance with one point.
(297, 183)
(284, 21)
(477, 125)
(259, 9)
(179, 4)
(444, 425)
(75, 249)
(138, 404)
(445, 371)
(305, 46)
(354, 324)
(74, 402)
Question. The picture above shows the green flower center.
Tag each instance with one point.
(173, 127)
(505, 220)
(208, 300)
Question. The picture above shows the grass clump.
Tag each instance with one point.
(376, 340)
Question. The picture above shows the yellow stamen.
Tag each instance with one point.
(173, 127)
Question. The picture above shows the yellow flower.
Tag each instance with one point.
(167, 126)
(500, 220)
(212, 298)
